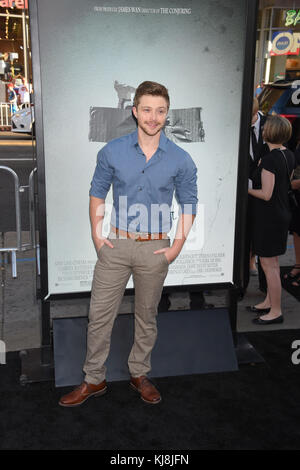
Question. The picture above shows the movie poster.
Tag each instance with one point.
(93, 55)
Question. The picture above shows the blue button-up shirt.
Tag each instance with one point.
(143, 191)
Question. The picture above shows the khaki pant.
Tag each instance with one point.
(112, 272)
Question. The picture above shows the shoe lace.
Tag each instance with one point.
(147, 383)
(79, 387)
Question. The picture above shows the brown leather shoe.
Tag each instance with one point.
(81, 393)
(146, 389)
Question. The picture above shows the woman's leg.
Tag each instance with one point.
(272, 272)
(253, 267)
(296, 271)
(266, 303)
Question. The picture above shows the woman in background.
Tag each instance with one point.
(271, 213)
(294, 275)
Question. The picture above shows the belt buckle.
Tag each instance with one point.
(140, 237)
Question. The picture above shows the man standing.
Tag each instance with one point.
(258, 148)
(144, 168)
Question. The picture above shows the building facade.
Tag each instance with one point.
(278, 41)
(14, 39)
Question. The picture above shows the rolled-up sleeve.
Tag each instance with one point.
(103, 176)
(186, 186)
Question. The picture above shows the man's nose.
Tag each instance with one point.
(153, 115)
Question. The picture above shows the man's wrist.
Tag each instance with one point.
(98, 241)
(96, 236)
(178, 244)
(175, 250)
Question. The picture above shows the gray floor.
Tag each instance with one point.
(20, 310)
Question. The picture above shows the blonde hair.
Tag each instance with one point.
(277, 129)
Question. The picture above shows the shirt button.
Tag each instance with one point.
(143, 171)
(140, 188)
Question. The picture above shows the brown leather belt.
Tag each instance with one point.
(139, 237)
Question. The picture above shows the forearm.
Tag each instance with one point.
(267, 186)
(295, 184)
(184, 226)
(97, 211)
(259, 193)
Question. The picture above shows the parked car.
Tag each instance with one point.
(283, 97)
(23, 120)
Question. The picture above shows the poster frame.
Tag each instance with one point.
(242, 173)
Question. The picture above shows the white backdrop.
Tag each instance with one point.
(195, 48)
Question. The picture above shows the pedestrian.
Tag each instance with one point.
(294, 275)
(144, 168)
(271, 213)
(12, 98)
(24, 92)
(257, 149)
(259, 88)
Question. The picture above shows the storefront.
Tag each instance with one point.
(14, 43)
(278, 41)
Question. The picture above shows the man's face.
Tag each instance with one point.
(151, 114)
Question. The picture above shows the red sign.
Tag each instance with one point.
(14, 3)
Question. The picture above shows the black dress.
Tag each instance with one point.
(295, 222)
(271, 219)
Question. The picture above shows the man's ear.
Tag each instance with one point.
(134, 111)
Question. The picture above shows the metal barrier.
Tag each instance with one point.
(33, 244)
(24, 105)
(5, 115)
(32, 224)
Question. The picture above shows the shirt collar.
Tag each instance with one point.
(163, 140)
(256, 124)
(134, 137)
